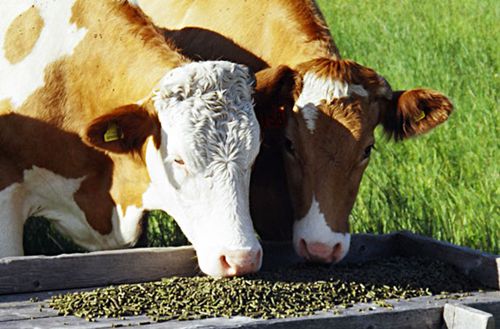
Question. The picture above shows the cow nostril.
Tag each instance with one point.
(239, 262)
(223, 261)
(337, 252)
(337, 248)
(303, 248)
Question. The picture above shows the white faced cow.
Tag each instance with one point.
(100, 119)
(317, 111)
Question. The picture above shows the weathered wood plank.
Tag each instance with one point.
(481, 266)
(490, 307)
(25, 312)
(74, 322)
(423, 312)
(458, 316)
(38, 273)
(367, 247)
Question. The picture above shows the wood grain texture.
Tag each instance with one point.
(422, 312)
(39, 273)
(458, 316)
(481, 266)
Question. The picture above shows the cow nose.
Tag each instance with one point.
(319, 252)
(240, 262)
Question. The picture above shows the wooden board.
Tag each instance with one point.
(34, 274)
(39, 273)
(424, 312)
(483, 267)
(457, 316)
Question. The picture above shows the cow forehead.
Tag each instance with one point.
(24, 57)
(329, 88)
(207, 110)
(318, 90)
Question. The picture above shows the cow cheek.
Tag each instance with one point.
(299, 186)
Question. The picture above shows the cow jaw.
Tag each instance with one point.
(201, 170)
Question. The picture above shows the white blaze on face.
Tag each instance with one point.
(313, 228)
(201, 173)
(58, 38)
(317, 89)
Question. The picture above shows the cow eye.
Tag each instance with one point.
(289, 146)
(179, 161)
(368, 151)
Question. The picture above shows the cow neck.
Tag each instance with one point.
(308, 34)
(119, 61)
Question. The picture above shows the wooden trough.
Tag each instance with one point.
(26, 283)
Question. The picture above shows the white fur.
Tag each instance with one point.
(12, 218)
(207, 119)
(44, 193)
(316, 89)
(313, 228)
(58, 38)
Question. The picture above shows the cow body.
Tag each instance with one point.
(101, 119)
(311, 165)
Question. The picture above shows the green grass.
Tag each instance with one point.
(444, 184)
(40, 236)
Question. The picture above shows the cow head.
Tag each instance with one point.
(332, 108)
(199, 137)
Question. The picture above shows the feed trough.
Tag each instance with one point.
(28, 283)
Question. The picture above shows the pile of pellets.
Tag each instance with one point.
(289, 292)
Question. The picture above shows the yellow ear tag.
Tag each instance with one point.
(420, 117)
(113, 133)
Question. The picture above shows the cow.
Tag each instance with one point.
(102, 119)
(317, 111)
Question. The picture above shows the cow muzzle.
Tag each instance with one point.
(319, 252)
(231, 262)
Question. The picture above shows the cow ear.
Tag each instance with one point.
(123, 130)
(274, 95)
(414, 112)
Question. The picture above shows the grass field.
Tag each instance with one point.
(444, 184)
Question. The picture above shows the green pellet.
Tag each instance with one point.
(290, 292)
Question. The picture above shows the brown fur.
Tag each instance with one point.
(120, 60)
(262, 29)
(5, 106)
(22, 35)
(415, 112)
(342, 70)
(134, 123)
(269, 35)
(270, 204)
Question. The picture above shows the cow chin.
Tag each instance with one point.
(314, 240)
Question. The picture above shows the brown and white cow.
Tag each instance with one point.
(330, 108)
(101, 119)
